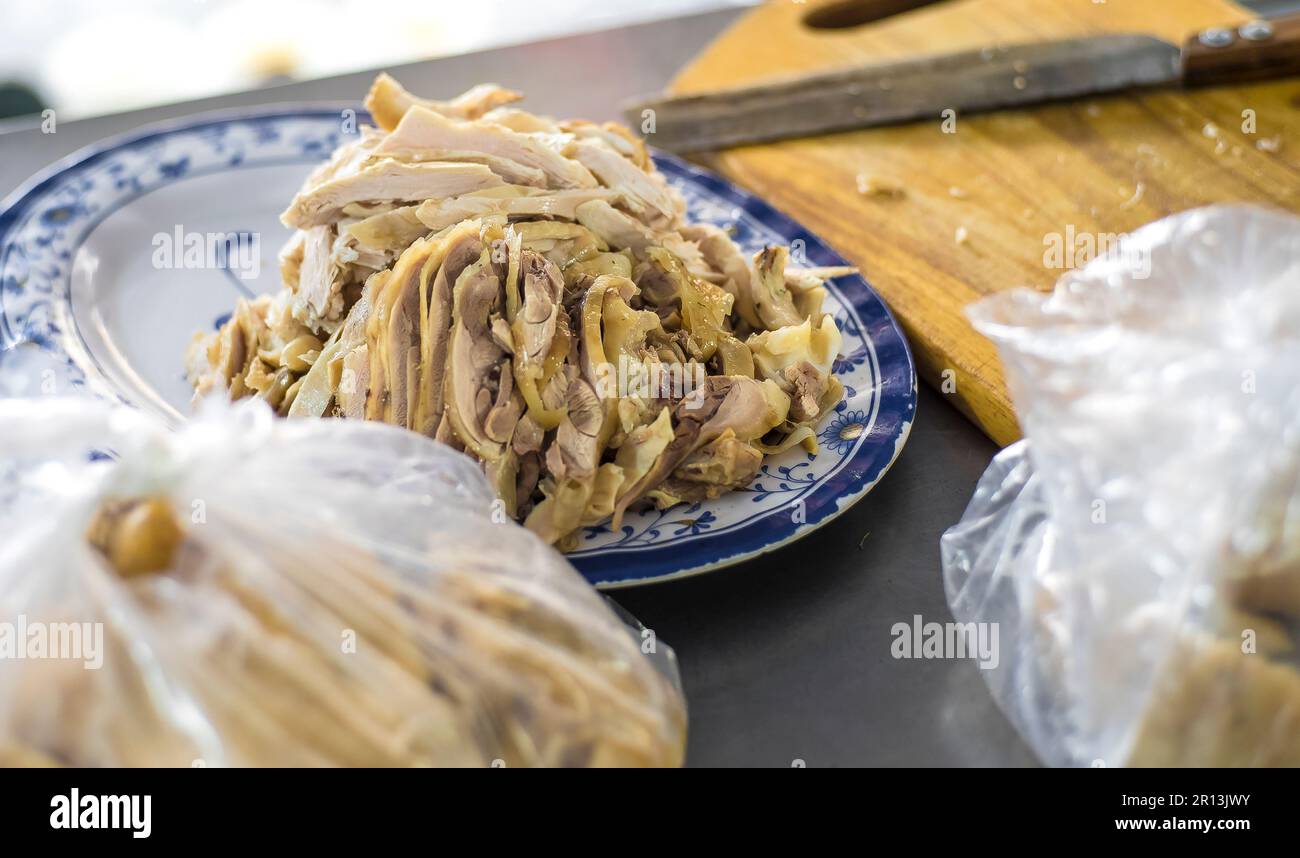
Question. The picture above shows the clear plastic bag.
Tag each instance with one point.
(1140, 549)
(252, 591)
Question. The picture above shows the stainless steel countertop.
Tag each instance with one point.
(785, 657)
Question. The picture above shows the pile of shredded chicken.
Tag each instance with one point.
(492, 279)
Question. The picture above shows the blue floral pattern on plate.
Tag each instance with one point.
(44, 223)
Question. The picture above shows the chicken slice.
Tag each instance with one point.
(723, 464)
(385, 180)
(388, 101)
(346, 160)
(616, 136)
(424, 130)
(473, 357)
(522, 121)
(511, 201)
(291, 259)
(374, 242)
(508, 169)
(614, 227)
(543, 293)
(460, 248)
(393, 334)
(743, 406)
(318, 300)
(647, 194)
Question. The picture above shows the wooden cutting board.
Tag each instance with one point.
(1015, 184)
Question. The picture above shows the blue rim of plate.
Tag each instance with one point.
(893, 401)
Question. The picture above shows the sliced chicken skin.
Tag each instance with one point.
(687, 426)
(723, 464)
(393, 337)
(576, 449)
(342, 372)
(743, 406)
(543, 291)
(772, 299)
(721, 253)
(354, 383)
(527, 437)
(459, 249)
(473, 356)
(500, 420)
(375, 241)
(510, 201)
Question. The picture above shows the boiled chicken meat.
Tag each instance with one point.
(530, 292)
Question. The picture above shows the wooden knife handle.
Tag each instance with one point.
(1253, 51)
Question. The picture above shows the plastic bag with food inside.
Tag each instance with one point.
(252, 592)
(1140, 550)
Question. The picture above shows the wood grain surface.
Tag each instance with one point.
(937, 220)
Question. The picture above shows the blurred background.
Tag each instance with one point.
(89, 57)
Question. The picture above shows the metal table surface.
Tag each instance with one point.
(786, 657)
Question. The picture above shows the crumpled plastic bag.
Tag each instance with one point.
(252, 591)
(1140, 549)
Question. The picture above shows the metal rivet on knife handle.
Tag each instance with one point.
(1218, 37)
(1266, 49)
(1256, 31)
